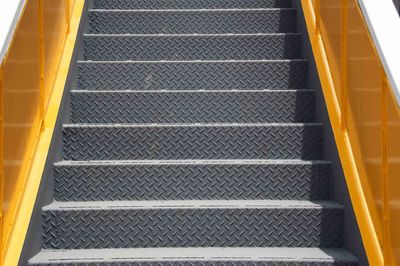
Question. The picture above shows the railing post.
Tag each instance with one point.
(344, 65)
(42, 92)
(385, 176)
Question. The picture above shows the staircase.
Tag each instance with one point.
(191, 142)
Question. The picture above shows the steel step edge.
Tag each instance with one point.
(88, 181)
(192, 75)
(192, 47)
(192, 141)
(193, 21)
(192, 106)
(192, 4)
(198, 256)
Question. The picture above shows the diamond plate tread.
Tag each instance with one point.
(185, 180)
(192, 47)
(192, 106)
(192, 224)
(189, 4)
(197, 257)
(192, 75)
(184, 141)
(193, 21)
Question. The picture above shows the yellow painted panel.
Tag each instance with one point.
(55, 29)
(21, 108)
(393, 178)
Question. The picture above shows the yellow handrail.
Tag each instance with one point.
(32, 78)
(365, 120)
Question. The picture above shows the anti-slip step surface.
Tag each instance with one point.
(193, 21)
(184, 141)
(191, 141)
(192, 106)
(180, 180)
(193, 75)
(192, 47)
(198, 257)
(113, 224)
(188, 4)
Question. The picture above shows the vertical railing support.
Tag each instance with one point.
(385, 177)
(344, 65)
(42, 88)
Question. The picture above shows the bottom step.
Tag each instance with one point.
(196, 256)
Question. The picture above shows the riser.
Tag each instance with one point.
(192, 142)
(144, 48)
(192, 227)
(192, 107)
(189, 4)
(199, 21)
(193, 75)
(180, 181)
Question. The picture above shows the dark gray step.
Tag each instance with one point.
(124, 224)
(180, 180)
(193, 21)
(192, 106)
(189, 75)
(188, 4)
(192, 141)
(192, 47)
(198, 257)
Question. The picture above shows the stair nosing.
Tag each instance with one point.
(190, 204)
(194, 10)
(196, 254)
(190, 34)
(189, 61)
(193, 91)
(189, 162)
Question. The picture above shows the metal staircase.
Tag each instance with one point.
(191, 142)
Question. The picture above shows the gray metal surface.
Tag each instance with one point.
(192, 47)
(141, 142)
(193, 21)
(192, 180)
(191, 141)
(192, 75)
(192, 106)
(188, 4)
(129, 224)
(198, 256)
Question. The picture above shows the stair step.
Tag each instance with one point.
(192, 47)
(188, 180)
(192, 141)
(188, 4)
(193, 21)
(192, 106)
(123, 224)
(192, 75)
(198, 256)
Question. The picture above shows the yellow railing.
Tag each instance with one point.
(365, 118)
(27, 77)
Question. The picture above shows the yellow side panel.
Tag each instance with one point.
(21, 108)
(364, 120)
(55, 29)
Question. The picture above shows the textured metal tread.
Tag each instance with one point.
(81, 181)
(192, 141)
(198, 256)
(193, 21)
(187, 107)
(192, 47)
(257, 223)
(188, 4)
(192, 75)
